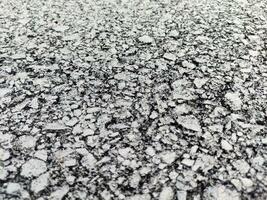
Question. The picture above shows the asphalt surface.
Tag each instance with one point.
(135, 100)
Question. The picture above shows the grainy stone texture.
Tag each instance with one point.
(134, 100)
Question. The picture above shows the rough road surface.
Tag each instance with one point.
(135, 100)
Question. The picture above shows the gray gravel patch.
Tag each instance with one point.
(134, 100)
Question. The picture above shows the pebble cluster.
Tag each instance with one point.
(134, 100)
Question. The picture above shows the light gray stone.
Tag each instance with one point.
(33, 168)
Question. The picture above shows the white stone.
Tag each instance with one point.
(258, 161)
(134, 180)
(226, 145)
(60, 28)
(169, 56)
(34, 103)
(150, 151)
(264, 141)
(13, 188)
(181, 195)
(18, 56)
(189, 122)
(3, 173)
(173, 33)
(105, 195)
(199, 82)
(140, 197)
(71, 37)
(168, 157)
(4, 154)
(89, 161)
(220, 192)
(204, 162)
(154, 115)
(60, 193)
(70, 179)
(242, 166)
(73, 121)
(193, 149)
(182, 109)
(33, 168)
(247, 183)
(41, 154)
(125, 152)
(26, 141)
(69, 162)
(77, 129)
(40, 183)
(55, 126)
(88, 131)
(4, 92)
(188, 65)
(93, 110)
(188, 162)
(166, 194)
(237, 184)
(146, 39)
(234, 100)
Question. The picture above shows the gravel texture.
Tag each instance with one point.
(134, 100)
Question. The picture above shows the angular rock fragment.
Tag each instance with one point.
(26, 141)
(182, 109)
(242, 166)
(60, 28)
(93, 110)
(186, 181)
(168, 157)
(237, 183)
(72, 122)
(204, 163)
(18, 56)
(56, 126)
(233, 100)
(220, 192)
(174, 33)
(3, 173)
(188, 162)
(121, 76)
(88, 131)
(166, 194)
(169, 56)
(34, 103)
(40, 183)
(188, 65)
(181, 195)
(264, 141)
(140, 197)
(146, 39)
(125, 152)
(13, 188)
(70, 162)
(247, 184)
(226, 145)
(88, 161)
(134, 180)
(41, 154)
(59, 193)
(189, 122)
(33, 168)
(4, 154)
(199, 82)
(71, 37)
(4, 92)
(150, 151)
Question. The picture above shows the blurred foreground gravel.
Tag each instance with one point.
(135, 100)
